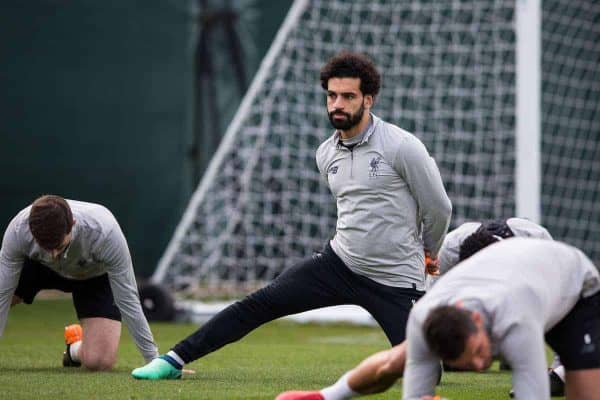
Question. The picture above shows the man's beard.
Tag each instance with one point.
(349, 122)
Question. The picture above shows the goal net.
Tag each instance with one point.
(448, 72)
(571, 122)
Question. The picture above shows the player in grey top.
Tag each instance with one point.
(469, 238)
(381, 234)
(392, 209)
(76, 247)
(461, 237)
(503, 301)
(500, 229)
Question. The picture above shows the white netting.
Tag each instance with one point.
(571, 122)
(448, 76)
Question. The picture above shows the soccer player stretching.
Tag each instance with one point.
(470, 237)
(78, 248)
(506, 300)
(392, 209)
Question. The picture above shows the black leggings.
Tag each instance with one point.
(576, 338)
(319, 281)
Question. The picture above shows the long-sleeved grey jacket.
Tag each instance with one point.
(98, 246)
(391, 204)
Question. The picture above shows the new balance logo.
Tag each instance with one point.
(588, 346)
(333, 170)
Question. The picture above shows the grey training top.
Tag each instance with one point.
(391, 204)
(448, 256)
(98, 246)
(522, 287)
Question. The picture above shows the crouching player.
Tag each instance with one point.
(379, 372)
(470, 237)
(78, 248)
(505, 301)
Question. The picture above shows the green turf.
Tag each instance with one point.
(276, 357)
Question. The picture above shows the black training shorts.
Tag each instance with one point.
(91, 297)
(576, 338)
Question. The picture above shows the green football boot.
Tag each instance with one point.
(157, 369)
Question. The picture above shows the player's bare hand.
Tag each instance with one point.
(188, 371)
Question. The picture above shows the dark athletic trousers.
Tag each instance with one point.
(319, 281)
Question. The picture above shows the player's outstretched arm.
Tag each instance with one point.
(378, 372)
(375, 374)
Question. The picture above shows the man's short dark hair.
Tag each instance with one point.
(446, 330)
(473, 243)
(352, 65)
(50, 220)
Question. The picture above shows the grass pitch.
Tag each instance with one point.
(276, 357)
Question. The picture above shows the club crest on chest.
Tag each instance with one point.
(374, 167)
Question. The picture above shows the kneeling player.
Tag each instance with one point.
(77, 248)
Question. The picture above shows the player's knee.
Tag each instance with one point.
(99, 362)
